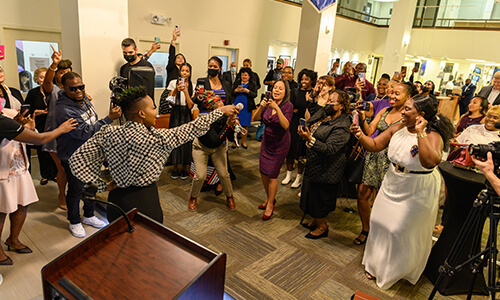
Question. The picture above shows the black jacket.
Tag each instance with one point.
(225, 85)
(250, 96)
(172, 70)
(15, 93)
(326, 159)
(226, 76)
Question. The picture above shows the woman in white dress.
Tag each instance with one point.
(405, 209)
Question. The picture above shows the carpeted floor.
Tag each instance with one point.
(273, 260)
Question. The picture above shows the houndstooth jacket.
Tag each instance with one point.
(136, 154)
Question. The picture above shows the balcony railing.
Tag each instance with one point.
(363, 17)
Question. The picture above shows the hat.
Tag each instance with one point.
(280, 61)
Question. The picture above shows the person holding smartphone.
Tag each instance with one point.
(174, 60)
(245, 91)
(351, 78)
(182, 91)
(276, 114)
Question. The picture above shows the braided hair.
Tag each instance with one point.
(435, 122)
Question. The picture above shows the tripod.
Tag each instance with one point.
(487, 204)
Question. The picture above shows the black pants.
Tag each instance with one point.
(146, 199)
(73, 195)
(48, 168)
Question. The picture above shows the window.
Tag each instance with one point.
(159, 61)
(32, 55)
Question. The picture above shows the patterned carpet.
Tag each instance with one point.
(273, 260)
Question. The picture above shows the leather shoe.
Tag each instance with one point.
(263, 206)
(6, 262)
(192, 203)
(315, 237)
(310, 227)
(230, 203)
(266, 217)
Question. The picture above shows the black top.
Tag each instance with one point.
(293, 85)
(225, 86)
(125, 69)
(9, 129)
(172, 71)
(15, 93)
(256, 79)
(37, 100)
(273, 75)
(298, 99)
(217, 134)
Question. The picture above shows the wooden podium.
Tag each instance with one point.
(153, 262)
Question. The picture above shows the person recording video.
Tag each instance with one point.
(488, 168)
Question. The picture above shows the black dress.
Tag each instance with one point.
(180, 114)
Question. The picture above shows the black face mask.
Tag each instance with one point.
(424, 89)
(330, 109)
(213, 72)
(129, 58)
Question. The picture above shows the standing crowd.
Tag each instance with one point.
(310, 124)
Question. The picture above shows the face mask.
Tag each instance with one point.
(424, 89)
(129, 58)
(233, 69)
(24, 80)
(213, 72)
(330, 109)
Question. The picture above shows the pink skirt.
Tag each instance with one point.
(16, 190)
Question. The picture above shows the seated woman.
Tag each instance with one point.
(405, 209)
(474, 134)
(478, 107)
(136, 153)
(326, 136)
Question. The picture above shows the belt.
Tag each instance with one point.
(401, 169)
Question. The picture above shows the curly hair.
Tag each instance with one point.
(130, 97)
(309, 73)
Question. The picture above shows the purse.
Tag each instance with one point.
(260, 132)
(355, 162)
(463, 160)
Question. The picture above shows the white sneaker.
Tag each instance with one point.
(288, 178)
(297, 183)
(94, 222)
(77, 230)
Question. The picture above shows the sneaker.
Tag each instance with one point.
(175, 174)
(184, 175)
(77, 230)
(94, 222)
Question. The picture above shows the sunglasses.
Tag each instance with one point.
(75, 88)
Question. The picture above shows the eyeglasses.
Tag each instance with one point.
(75, 88)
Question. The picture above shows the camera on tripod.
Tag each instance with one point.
(117, 85)
(481, 150)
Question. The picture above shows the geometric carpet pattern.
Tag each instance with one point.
(272, 259)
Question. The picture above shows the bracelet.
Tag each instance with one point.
(421, 136)
(55, 70)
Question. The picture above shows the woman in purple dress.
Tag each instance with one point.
(276, 113)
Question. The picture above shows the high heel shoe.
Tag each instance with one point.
(358, 241)
(24, 250)
(265, 217)
(315, 237)
(6, 262)
(310, 227)
(263, 206)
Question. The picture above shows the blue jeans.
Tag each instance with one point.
(73, 195)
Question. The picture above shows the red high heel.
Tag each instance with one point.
(263, 206)
(265, 218)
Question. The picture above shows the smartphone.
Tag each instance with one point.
(365, 106)
(268, 95)
(396, 73)
(240, 86)
(157, 39)
(362, 76)
(182, 80)
(177, 27)
(355, 117)
(337, 60)
(403, 69)
(26, 107)
(302, 123)
(417, 65)
(200, 85)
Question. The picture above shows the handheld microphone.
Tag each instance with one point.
(497, 125)
(240, 106)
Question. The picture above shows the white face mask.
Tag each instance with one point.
(233, 69)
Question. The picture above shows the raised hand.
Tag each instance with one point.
(420, 124)
(56, 56)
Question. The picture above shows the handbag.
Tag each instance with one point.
(355, 161)
(464, 160)
(260, 132)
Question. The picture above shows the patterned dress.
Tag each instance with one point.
(276, 142)
(377, 163)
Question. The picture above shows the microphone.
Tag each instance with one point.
(89, 192)
(497, 125)
(240, 107)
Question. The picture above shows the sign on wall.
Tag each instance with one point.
(321, 5)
